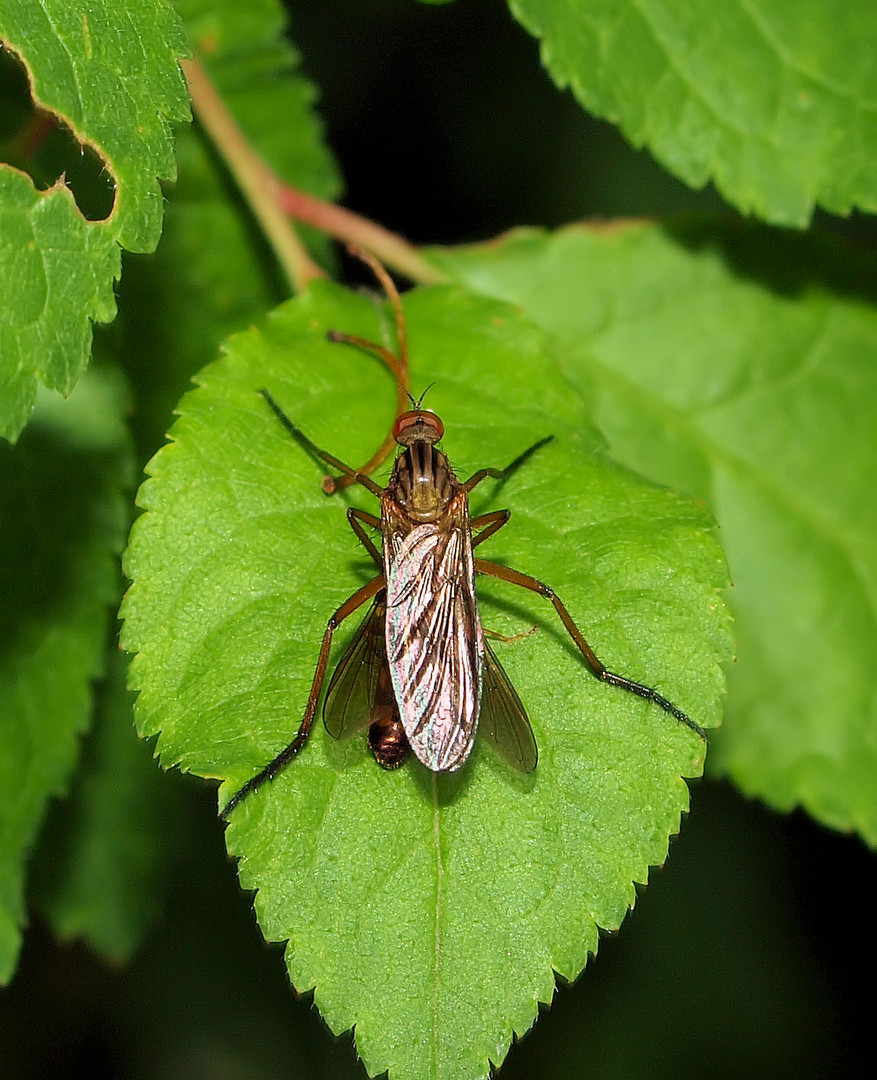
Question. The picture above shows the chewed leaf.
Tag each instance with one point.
(212, 273)
(430, 911)
(110, 72)
(108, 75)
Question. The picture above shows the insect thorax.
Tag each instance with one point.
(423, 483)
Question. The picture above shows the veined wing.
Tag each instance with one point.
(435, 646)
(504, 718)
(353, 688)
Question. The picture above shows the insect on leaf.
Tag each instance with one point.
(432, 911)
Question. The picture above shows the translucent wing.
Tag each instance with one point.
(350, 699)
(503, 717)
(435, 645)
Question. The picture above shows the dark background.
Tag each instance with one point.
(748, 952)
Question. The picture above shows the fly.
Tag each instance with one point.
(419, 672)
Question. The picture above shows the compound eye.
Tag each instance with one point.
(418, 424)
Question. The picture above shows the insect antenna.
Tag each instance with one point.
(417, 404)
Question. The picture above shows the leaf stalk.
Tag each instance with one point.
(273, 201)
(255, 179)
(392, 249)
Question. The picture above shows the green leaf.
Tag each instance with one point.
(63, 517)
(56, 276)
(739, 365)
(773, 101)
(431, 912)
(100, 869)
(213, 273)
(109, 73)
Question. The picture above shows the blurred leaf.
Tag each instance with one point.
(100, 870)
(213, 272)
(63, 517)
(772, 100)
(429, 911)
(109, 73)
(56, 277)
(257, 72)
(740, 365)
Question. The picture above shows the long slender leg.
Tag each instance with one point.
(331, 484)
(508, 638)
(380, 351)
(504, 474)
(323, 455)
(490, 523)
(355, 516)
(389, 287)
(515, 577)
(286, 755)
(398, 366)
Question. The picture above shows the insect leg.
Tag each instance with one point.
(504, 474)
(515, 577)
(355, 516)
(398, 366)
(380, 351)
(331, 484)
(508, 638)
(490, 523)
(286, 755)
(323, 455)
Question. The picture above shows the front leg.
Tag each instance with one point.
(503, 474)
(355, 477)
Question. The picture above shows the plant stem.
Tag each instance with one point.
(257, 182)
(271, 200)
(344, 225)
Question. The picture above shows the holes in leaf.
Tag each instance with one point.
(39, 143)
